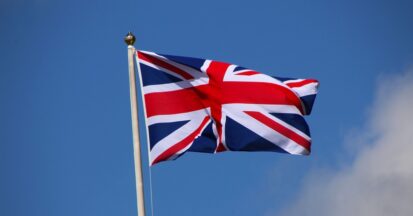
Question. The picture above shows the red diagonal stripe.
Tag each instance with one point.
(164, 64)
(281, 129)
(182, 144)
(248, 73)
(301, 83)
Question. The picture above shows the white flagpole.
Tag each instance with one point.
(130, 40)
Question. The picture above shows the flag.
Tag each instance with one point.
(199, 105)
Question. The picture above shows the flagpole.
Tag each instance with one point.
(130, 40)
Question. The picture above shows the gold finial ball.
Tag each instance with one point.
(130, 39)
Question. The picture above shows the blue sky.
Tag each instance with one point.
(65, 138)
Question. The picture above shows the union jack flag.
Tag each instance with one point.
(200, 105)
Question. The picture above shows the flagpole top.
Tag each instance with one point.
(130, 39)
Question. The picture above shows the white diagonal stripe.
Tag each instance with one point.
(157, 67)
(308, 89)
(175, 137)
(193, 72)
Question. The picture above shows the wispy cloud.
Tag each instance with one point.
(380, 179)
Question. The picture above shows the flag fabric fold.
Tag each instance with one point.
(200, 105)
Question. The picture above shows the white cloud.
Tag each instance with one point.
(379, 182)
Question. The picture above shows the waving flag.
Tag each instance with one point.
(200, 105)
